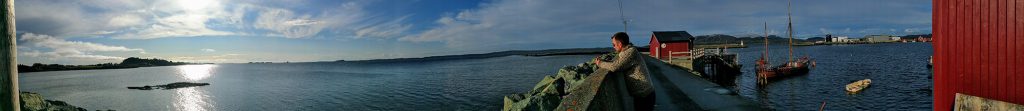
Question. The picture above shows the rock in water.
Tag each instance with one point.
(35, 102)
(170, 86)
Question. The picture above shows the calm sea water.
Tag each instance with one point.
(899, 77)
(900, 82)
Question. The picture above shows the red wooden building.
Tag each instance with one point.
(664, 42)
(979, 50)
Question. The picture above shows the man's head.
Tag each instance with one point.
(620, 40)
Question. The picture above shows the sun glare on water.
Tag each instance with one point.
(196, 72)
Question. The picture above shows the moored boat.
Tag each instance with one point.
(858, 86)
(766, 72)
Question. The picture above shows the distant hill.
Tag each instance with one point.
(131, 62)
(772, 39)
(729, 39)
(816, 39)
(919, 35)
(548, 52)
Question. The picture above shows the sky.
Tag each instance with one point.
(239, 31)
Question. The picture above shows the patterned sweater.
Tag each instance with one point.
(630, 63)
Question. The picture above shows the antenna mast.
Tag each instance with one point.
(623, 16)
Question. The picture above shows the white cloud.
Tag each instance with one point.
(292, 24)
(125, 20)
(208, 50)
(64, 49)
(389, 29)
(514, 23)
(239, 58)
(131, 19)
(287, 23)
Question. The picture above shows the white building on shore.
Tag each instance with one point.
(841, 39)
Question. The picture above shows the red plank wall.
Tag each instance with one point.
(979, 50)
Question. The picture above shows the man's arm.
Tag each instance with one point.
(624, 58)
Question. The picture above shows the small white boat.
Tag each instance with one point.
(855, 87)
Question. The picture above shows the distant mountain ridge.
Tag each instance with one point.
(130, 62)
(772, 39)
(548, 52)
(729, 39)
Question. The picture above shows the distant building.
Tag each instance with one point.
(663, 42)
(923, 39)
(880, 38)
(828, 38)
(840, 39)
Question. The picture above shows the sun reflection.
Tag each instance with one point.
(196, 72)
(192, 99)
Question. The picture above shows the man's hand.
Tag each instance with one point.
(597, 61)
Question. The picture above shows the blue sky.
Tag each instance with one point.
(232, 31)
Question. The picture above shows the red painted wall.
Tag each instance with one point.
(979, 50)
(655, 47)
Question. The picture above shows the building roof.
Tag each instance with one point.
(672, 36)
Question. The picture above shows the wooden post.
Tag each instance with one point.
(657, 53)
(669, 56)
(8, 56)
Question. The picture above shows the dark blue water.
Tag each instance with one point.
(900, 78)
(900, 82)
(472, 84)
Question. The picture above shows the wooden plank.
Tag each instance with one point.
(966, 102)
(1000, 49)
(942, 36)
(949, 74)
(991, 81)
(970, 29)
(1019, 4)
(986, 37)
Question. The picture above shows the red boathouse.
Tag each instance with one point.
(979, 50)
(663, 43)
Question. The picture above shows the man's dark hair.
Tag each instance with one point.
(622, 37)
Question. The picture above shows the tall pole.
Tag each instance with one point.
(8, 56)
(789, 14)
(623, 16)
(766, 61)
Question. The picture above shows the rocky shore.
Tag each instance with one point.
(35, 102)
(170, 86)
(551, 90)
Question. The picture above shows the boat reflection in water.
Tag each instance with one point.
(192, 98)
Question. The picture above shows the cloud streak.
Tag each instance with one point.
(512, 23)
(61, 48)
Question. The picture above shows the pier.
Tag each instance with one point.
(678, 89)
(674, 88)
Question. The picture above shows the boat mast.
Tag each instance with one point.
(789, 14)
(766, 44)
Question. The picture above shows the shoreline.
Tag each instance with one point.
(131, 62)
(531, 53)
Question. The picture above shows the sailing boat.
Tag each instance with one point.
(766, 72)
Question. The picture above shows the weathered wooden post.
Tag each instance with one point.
(8, 59)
